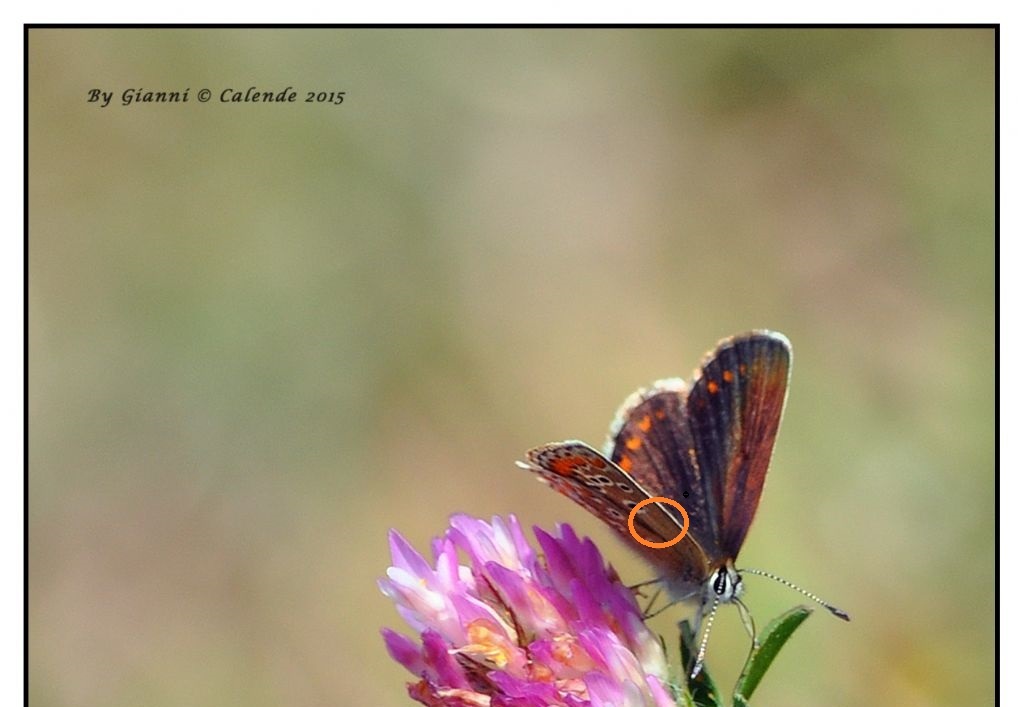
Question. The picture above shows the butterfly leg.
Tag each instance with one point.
(635, 588)
(663, 609)
(648, 614)
(747, 621)
(647, 611)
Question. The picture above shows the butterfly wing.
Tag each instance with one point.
(580, 472)
(650, 439)
(733, 411)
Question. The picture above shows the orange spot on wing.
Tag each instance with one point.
(625, 463)
(659, 414)
(597, 462)
(742, 368)
(566, 466)
(644, 423)
(727, 375)
(634, 443)
(712, 387)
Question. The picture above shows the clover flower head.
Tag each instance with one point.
(516, 628)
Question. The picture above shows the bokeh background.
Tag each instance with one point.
(262, 335)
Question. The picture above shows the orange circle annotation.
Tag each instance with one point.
(667, 501)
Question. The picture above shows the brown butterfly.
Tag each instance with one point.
(706, 445)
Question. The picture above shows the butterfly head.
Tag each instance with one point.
(724, 585)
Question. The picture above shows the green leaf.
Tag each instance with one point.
(772, 639)
(702, 689)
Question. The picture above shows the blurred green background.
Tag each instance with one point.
(261, 335)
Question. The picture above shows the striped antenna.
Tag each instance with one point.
(698, 666)
(833, 609)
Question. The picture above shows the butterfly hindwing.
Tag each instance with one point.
(587, 477)
(733, 411)
(650, 439)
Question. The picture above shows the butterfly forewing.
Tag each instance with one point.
(733, 412)
(600, 486)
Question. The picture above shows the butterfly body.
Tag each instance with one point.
(706, 444)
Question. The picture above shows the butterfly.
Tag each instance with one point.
(706, 445)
